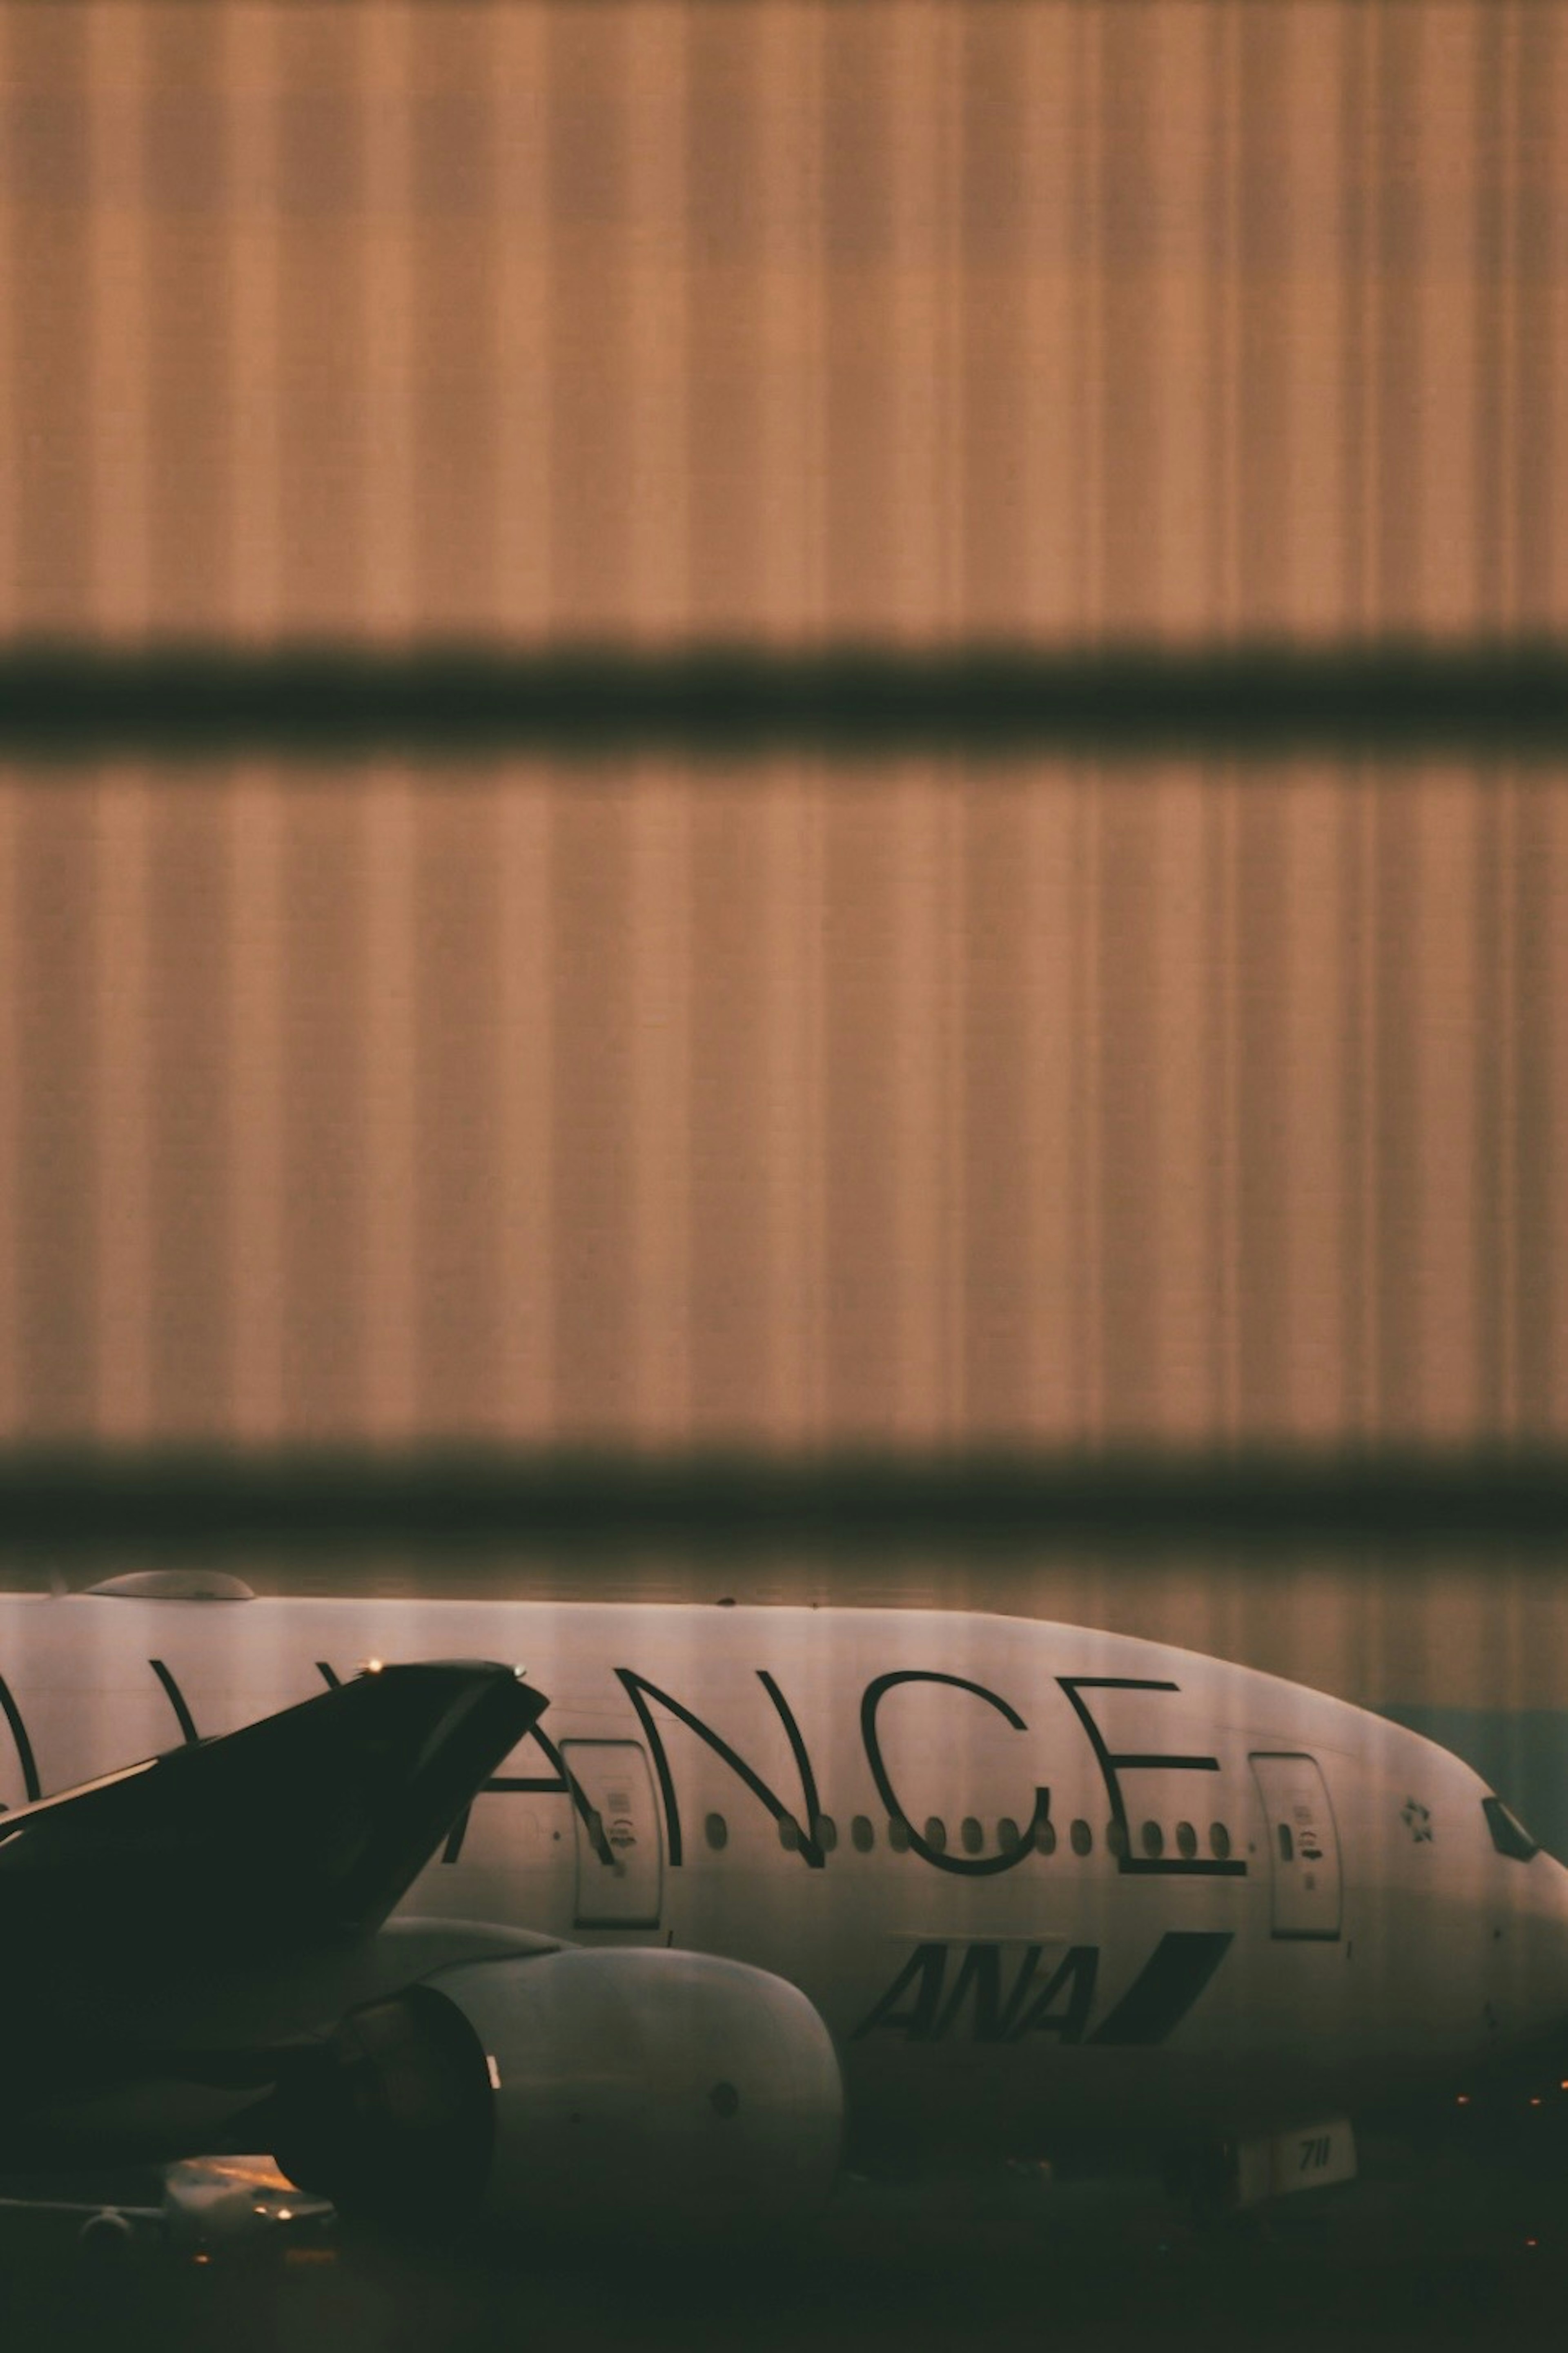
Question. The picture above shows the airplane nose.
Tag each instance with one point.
(1527, 1995)
(1512, 2096)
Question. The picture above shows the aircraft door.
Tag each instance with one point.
(626, 1890)
(1303, 1846)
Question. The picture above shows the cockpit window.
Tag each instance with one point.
(1508, 1834)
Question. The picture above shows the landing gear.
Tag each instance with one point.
(1233, 2177)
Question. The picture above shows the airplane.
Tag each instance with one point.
(199, 2210)
(676, 1910)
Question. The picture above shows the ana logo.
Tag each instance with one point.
(1048, 1993)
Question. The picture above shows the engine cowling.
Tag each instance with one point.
(656, 2087)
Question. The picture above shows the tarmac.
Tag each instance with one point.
(1427, 2249)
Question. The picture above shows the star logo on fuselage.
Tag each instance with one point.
(1417, 1820)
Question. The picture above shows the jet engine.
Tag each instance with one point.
(573, 2089)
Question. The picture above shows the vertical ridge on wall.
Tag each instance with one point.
(253, 1050)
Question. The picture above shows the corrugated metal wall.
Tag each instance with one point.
(1040, 1102)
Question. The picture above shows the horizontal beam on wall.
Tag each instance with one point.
(130, 1503)
(78, 702)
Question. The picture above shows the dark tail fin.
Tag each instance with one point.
(293, 1835)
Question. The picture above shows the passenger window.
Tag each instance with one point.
(862, 1833)
(899, 1834)
(1045, 1836)
(936, 1834)
(971, 1834)
(1007, 1835)
(1116, 1836)
(824, 1830)
(1082, 1837)
(1286, 1843)
(1186, 1841)
(718, 1832)
(1153, 1838)
(789, 1832)
(1219, 1841)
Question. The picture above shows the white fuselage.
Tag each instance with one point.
(1042, 1883)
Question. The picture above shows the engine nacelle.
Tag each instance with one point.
(573, 2089)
